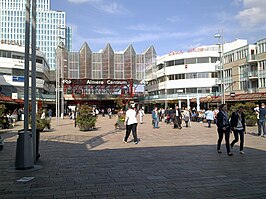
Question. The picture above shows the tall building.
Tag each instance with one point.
(50, 27)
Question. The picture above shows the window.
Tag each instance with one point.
(191, 90)
(170, 63)
(190, 61)
(191, 75)
(203, 60)
(179, 62)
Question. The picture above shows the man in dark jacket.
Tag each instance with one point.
(238, 127)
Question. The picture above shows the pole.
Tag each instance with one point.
(33, 78)
(61, 83)
(26, 71)
(222, 62)
(24, 154)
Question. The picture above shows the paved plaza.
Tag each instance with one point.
(167, 163)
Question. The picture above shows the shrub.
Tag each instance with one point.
(86, 119)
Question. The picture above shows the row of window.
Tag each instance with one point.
(185, 76)
(196, 60)
(262, 47)
(15, 55)
(185, 91)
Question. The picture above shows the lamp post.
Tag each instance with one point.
(59, 84)
(221, 46)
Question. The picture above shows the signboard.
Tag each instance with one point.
(18, 78)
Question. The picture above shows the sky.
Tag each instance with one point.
(168, 25)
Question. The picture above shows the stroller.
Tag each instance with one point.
(1, 143)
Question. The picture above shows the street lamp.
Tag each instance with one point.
(59, 84)
(221, 46)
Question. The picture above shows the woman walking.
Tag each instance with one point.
(238, 127)
(223, 128)
(131, 123)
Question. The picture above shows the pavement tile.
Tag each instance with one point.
(167, 163)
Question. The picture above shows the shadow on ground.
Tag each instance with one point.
(72, 170)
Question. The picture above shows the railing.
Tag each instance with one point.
(253, 74)
(251, 58)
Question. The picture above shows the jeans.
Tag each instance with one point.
(241, 135)
(155, 123)
(221, 133)
(132, 127)
(209, 123)
(261, 126)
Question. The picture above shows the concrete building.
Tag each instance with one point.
(12, 74)
(184, 77)
(245, 73)
(50, 27)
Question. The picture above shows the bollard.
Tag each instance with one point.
(24, 152)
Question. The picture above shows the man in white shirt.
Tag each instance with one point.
(131, 124)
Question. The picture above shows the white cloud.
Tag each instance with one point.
(104, 6)
(105, 31)
(83, 1)
(143, 27)
(174, 19)
(253, 13)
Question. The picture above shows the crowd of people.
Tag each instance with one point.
(225, 123)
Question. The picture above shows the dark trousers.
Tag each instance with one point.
(221, 133)
(132, 127)
(241, 135)
(209, 123)
(177, 122)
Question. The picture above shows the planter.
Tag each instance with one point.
(251, 122)
(85, 127)
(120, 125)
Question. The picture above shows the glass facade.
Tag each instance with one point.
(50, 27)
(107, 64)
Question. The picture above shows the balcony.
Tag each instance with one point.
(218, 81)
(253, 75)
(218, 67)
(251, 58)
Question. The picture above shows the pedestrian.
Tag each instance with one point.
(141, 115)
(177, 118)
(262, 120)
(131, 124)
(223, 128)
(50, 113)
(238, 127)
(155, 118)
(186, 115)
(209, 117)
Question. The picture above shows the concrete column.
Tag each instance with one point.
(198, 103)
(188, 103)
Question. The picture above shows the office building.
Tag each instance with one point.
(50, 27)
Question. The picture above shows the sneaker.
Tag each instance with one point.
(230, 154)
(219, 151)
(135, 142)
(242, 152)
(125, 141)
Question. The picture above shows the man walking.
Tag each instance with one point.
(262, 120)
(177, 118)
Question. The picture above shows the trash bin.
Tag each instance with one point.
(37, 142)
(24, 152)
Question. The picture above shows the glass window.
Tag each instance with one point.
(170, 63)
(179, 62)
(203, 60)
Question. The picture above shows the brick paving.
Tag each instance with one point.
(167, 163)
